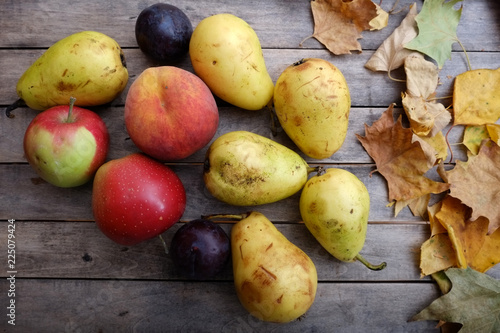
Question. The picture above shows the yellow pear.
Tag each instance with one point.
(334, 207)
(312, 103)
(274, 279)
(226, 54)
(246, 169)
(88, 65)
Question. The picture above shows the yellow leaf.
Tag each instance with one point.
(437, 254)
(381, 20)
(473, 136)
(494, 132)
(436, 226)
(489, 254)
(476, 97)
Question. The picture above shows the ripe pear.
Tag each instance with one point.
(312, 103)
(226, 54)
(334, 207)
(246, 169)
(88, 65)
(274, 279)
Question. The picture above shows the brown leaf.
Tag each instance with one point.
(477, 183)
(338, 23)
(401, 161)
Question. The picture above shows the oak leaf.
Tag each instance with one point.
(437, 29)
(338, 24)
(391, 53)
(399, 159)
(473, 301)
(476, 97)
(477, 183)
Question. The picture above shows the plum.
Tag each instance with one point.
(163, 32)
(200, 249)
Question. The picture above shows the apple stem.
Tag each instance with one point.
(164, 244)
(370, 266)
(72, 101)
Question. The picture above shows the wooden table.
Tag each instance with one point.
(71, 278)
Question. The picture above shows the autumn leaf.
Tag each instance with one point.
(436, 254)
(381, 20)
(477, 183)
(476, 97)
(473, 301)
(437, 29)
(426, 116)
(391, 53)
(473, 136)
(401, 161)
(338, 24)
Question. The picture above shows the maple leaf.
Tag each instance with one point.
(338, 24)
(399, 159)
(391, 53)
(477, 183)
(476, 97)
(437, 25)
(426, 116)
(473, 301)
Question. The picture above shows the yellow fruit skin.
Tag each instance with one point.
(226, 54)
(274, 279)
(312, 103)
(247, 169)
(335, 207)
(87, 65)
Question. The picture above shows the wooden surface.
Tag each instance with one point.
(71, 278)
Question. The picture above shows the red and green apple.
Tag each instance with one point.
(66, 144)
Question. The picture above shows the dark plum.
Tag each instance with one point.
(200, 249)
(163, 32)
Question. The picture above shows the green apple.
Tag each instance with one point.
(66, 144)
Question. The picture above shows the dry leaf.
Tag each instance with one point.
(494, 132)
(477, 183)
(391, 54)
(473, 136)
(401, 161)
(489, 255)
(381, 20)
(436, 226)
(436, 254)
(338, 24)
(425, 115)
(476, 97)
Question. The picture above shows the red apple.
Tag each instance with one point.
(170, 113)
(66, 144)
(136, 198)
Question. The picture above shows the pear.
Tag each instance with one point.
(312, 103)
(274, 279)
(334, 206)
(246, 169)
(88, 65)
(226, 54)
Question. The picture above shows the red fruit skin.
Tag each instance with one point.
(170, 113)
(136, 198)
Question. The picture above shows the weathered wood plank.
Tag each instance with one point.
(29, 198)
(47, 305)
(76, 250)
(38, 23)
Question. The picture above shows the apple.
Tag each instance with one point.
(170, 113)
(136, 198)
(66, 144)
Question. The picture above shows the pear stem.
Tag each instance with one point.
(72, 101)
(13, 106)
(370, 266)
(164, 244)
(226, 216)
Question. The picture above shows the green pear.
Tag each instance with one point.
(312, 103)
(247, 169)
(88, 65)
(274, 279)
(226, 54)
(334, 207)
